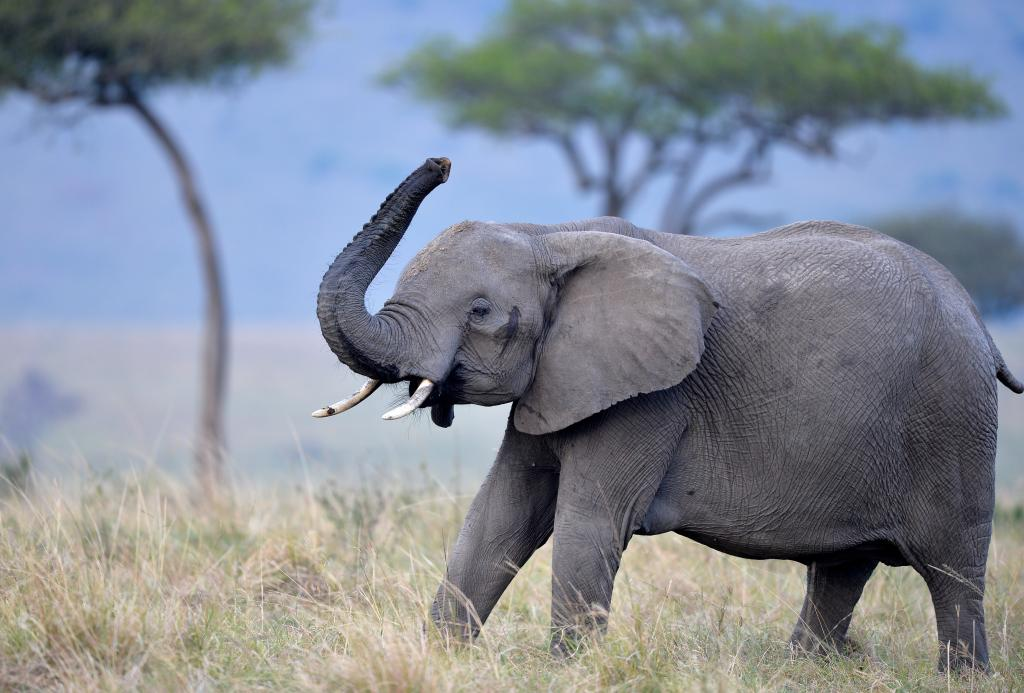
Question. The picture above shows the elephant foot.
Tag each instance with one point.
(575, 626)
(453, 623)
(805, 642)
(567, 643)
(832, 594)
(962, 662)
(449, 635)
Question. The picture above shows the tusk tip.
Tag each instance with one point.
(365, 391)
(423, 391)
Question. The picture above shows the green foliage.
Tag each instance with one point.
(774, 71)
(16, 475)
(546, 67)
(986, 255)
(663, 65)
(669, 73)
(86, 49)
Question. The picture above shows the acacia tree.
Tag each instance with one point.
(631, 90)
(115, 54)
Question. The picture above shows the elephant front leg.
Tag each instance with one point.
(511, 516)
(587, 552)
(611, 468)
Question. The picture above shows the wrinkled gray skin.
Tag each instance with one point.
(818, 392)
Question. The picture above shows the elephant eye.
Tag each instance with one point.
(481, 308)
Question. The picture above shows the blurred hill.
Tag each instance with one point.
(137, 389)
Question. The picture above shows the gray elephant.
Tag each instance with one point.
(819, 393)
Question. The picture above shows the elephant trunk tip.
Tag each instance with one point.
(443, 164)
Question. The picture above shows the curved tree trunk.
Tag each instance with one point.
(209, 445)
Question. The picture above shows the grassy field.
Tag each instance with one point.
(116, 585)
(301, 584)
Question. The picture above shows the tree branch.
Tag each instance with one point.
(685, 168)
(652, 165)
(748, 170)
(618, 195)
(611, 143)
(584, 179)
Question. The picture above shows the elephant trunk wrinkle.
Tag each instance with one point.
(364, 342)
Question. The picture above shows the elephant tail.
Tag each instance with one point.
(1007, 379)
(1003, 373)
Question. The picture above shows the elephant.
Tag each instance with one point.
(818, 392)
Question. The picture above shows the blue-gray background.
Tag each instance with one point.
(99, 287)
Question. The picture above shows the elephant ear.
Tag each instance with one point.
(630, 318)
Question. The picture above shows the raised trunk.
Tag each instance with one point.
(371, 344)
(209, 446)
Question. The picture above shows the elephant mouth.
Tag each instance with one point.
(440, 400)
(442, 414)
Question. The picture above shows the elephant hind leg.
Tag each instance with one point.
(832, 593)
(953, 566)
(957, 596)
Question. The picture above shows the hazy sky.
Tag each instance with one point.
(293, 163)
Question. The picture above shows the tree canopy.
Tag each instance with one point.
(89, 49)
(633, 89)
(985, 254)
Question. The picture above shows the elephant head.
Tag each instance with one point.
(564, 320)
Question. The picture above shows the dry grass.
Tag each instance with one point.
(122, 586)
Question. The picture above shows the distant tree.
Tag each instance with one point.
(985, 254)
(116, 53)
(653, 86)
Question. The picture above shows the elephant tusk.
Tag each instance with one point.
(418, 397)
(344, 405)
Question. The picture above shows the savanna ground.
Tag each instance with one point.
(124, 584)
(119, 582)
